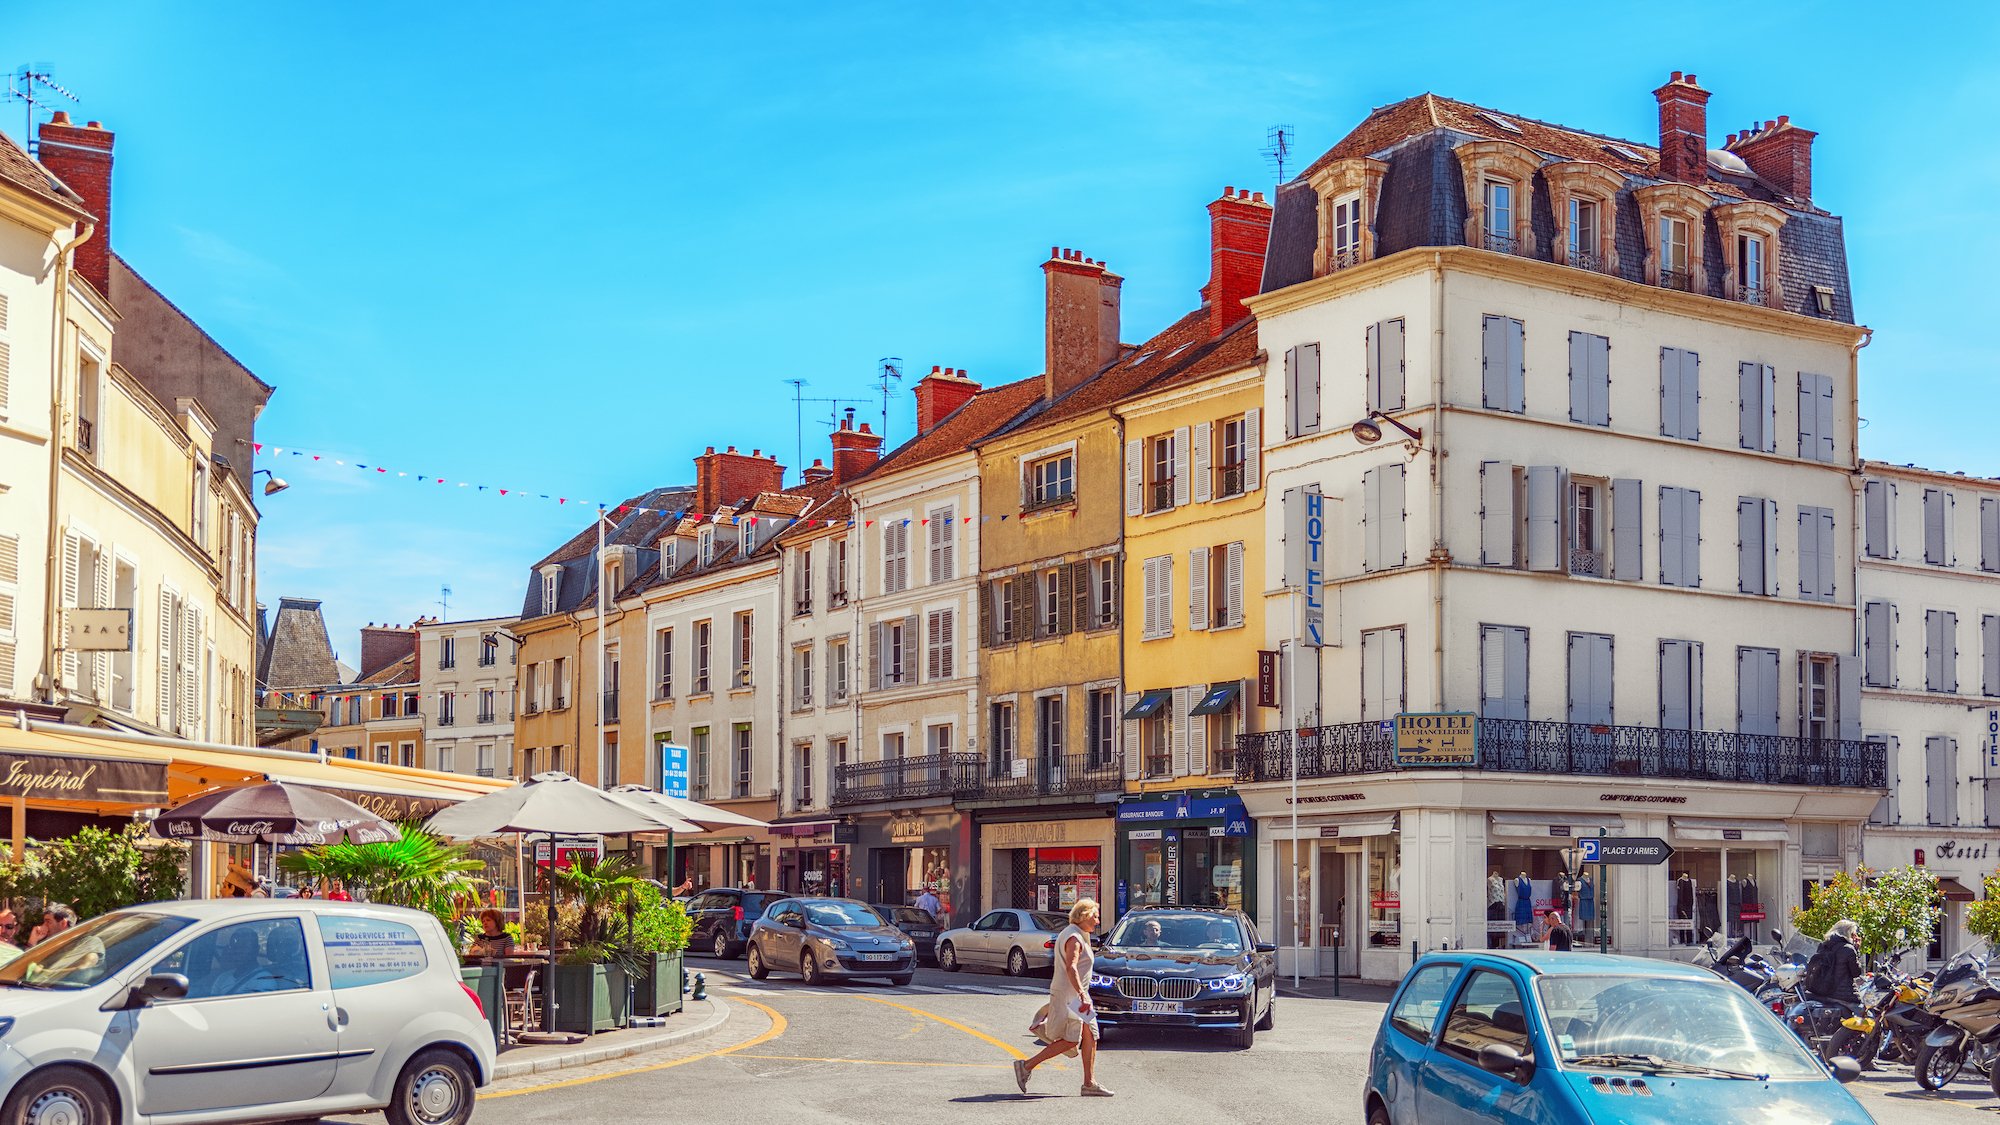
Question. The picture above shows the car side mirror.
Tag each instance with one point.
(1266, 947)
(1503, 1059)
(1844, 1069)
(1097, 941)
(159, 986)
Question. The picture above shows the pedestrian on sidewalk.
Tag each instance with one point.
(1559, 937)
(1072, 1021)
(928, 902)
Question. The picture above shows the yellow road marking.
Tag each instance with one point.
(776, 1029)
(873, 1062)
(974, 1032)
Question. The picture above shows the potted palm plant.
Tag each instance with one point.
(593, 974)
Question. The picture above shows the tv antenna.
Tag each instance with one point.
(444, 602)
(891, 369)
(799, 416)
(35, 86)
(1278, 148)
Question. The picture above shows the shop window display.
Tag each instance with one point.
(1524, 884)
(1385, 891)
(930, 869)
(1720, 891)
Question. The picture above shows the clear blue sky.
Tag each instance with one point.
(562, 248)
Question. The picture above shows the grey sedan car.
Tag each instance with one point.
(825, 939)
(1015, 940)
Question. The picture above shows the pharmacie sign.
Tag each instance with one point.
(1440, 739)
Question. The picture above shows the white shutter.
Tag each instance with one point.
(1824, 402)
(1372, 350)
(1545, 518)
(1493, 364)
(1691, 537)
(102, 600)
(1989, 655)
(1183, 702)
(1166, 600)
(1496, 513)
(1253, 449)
(1131, 738)
(1627, 531)
(71, 564)
(165, 689)
(1878, 646)
(1989, 534)
(1372, 519)
(1198, 588)
(1233, 574)
(1770, 541)
(1135, 477)
(1388, 359)
(1396, 552)
(1670, 392)
(1201, 482)
(1181, 474)
(10, 604)
(187, 674)
(1934, 528)
(1690, 396)
(876, 665)
(6, 362)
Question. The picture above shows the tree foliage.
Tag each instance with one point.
(1982, 918)
(95, 870)
(422, 871)
(1897, 909)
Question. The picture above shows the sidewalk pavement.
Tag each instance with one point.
(698, 1020)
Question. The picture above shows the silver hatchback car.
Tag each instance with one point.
(241, 1010)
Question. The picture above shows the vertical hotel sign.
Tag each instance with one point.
(1305, 557)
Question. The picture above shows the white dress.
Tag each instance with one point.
(1066, 1020)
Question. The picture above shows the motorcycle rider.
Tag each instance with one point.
(1834, 966)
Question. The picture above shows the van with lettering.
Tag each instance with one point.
(242, 1010)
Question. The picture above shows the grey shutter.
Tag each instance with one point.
(1627, 531)
(1848, 705)
(985, 614)
(1691, 541)
(1948, 650)
(1989, 629)
(1934, 548)
(1517, 367)
(1396, 548)
(1372, 351)
(1198, 588)
(1372, 519)
(165, 634)
(1679, 681)
(1253, 449)
(1757, 690)
(1670, 392)
(1875, 507)
(1824, 403)
(1292, 509)
(1579, 377)
(1749, 545)
(1940, 778)
(1989, 534)
(1671, 534)
(1770, 508)
(1135, 477)
(1750, 405)
(1201, 482)
(1809, 577)
(1590, 678)
(1302, 387)
(1823, 546)
(1599, 349)
(1545, 518)
(1131, 738)
(1493, 364)
(1877, 645)
(1503, 679)
(875, 656)
(1388, 361)
(1808, 417)
(1232, 569)
(1689, 402)
(1496, 513)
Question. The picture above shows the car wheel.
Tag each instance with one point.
(1017, 963)
(435, 1088)
(59, 1095)
(903, 979)
(758, 969)
(721, 948)
(809, 968)
(1377, 1115)
(1270, 1019)
(947, 958)
(1246, 1036)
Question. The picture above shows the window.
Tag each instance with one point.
(483, 759)
(663, 664)
(260, 956)
(802, 582)
(1001, 600)
(1051, 480)
(1385, 543)
(1680, 394)
(1499, 215)
(699, 765)
(410, 708)
(447, 709)
(1941, 651)
(705, 545)
(1503, 672)
(1346, 233)
(836, 669)
(892, 746)
(1488, 1010)
(1878, 645)
(1224, 586)
(1381, 674)
(1156, 744)
(1581, 233)
(1587, 518)
(1589, 379)
(202, 499)
(1222, 738)
(87, 384)
(938, 741)
(802, 774)
(742, 771)
(1301, 391)
(802, 677)
(1680, 537)
(1751, 283)
(895, 556)
(1103, 727)
(1757, 546)
(489, 651)
(1941, 780)
(745, 640)
(1756, 406)
(388, 709)
(670, 556)
(1048, 603)
(1416, 1009)
(940, 631)
(1938, 507)
(607, 761)
(837, 577)
(1674, 272)
(1229, 478)
(1879, 516)
(1503, 368)
(1104, 594)
(1159, 595)
(1680, 686)
(703, 631)
(446, 759)
(1816, 417)
(559, 681)
(1000, 741)
(447, 652)
(894, 653)
(837, 748)
(1384, 344)
(746, 535)
(1590, 668)
(943, 543)
(1160, 480)
(1049, 728)
(1816, 572)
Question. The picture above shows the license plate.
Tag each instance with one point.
(1156, 1007)
(878, 957)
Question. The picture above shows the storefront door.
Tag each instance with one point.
(888, 882)
(1336, 912)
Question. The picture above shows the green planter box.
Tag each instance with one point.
(659, 991)
(583, 999)
(619, 983)
(489, 983)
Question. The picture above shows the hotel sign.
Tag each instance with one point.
(1442, 739)
(1305, 558)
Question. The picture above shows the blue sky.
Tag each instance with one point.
(561, 250)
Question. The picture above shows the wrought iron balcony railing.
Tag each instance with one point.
(1582, 749)
(609, 713)
(1052, 776)
(927, 775)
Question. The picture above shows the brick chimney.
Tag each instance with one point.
(729, 476)
(944, 390)
(817, 472)
(1683, 130)
(1239, 228)
(1781, 155)
(854, 451)
(1082, 319)
(81, 158)
(383, 645)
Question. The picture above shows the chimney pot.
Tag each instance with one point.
(61, 117)
(93, 124)
(864, 427)
(756, 453)
(1228, 190)
(1676, 77)
(1691, 80)
(1784, 119)
(1257, 197)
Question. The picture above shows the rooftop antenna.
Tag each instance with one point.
(891, 369)
(1278, 148)
(444, 602)
(799, 416)
(34, 85)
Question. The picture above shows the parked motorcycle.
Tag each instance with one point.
(1870, 1034)
(1966, 1004)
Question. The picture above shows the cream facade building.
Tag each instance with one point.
(465, 678)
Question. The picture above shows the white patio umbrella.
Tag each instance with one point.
(707, 816)
(555, 803)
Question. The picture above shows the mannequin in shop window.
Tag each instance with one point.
(1496, 907)
(1524, 909)
(1684, 909)
(1586, 903)
(1732, 902)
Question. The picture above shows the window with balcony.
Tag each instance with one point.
(1231, 460)
(836, 669)
(1751, 283)
(700, 765)
(1820, 718)
(1156, 745)
(1348, 190)
(1749, 235)
(489, 652)
(836, 584)
(1049, 603)
(1674, 273)
(895, 657)
(802, 587)
(1160, 473)
(486, 705)
(1582, 234)
(1346, 233)
(447, 709)
(1051, 480)
(1104, 594)
(1587, 547)
(1498, 232)
(559, 681)
(1000, 741)
(1222, 727)
(802, 677)
(89, 381)
(482, 759)
(1103, 733)
(447, 652)
(802, 774)
(1000, 600)
(937, 739)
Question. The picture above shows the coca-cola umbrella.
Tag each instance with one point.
(274, 813)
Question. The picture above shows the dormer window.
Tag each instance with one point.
(1348, 192)
(1347, 232)
(1750, 251)
(1500, 216)
(1750, 268)
(746, 536)
(1583, 195)
(669, 555)
(551, 581)
(1581, 245)
(1498, 175)
(1672, 214)
(1673, 245)
(706, 545)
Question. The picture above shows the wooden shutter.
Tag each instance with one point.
(10, 603)
(72, 550)
(1131, 738)
(1670, 392)
(1934, 528)
(1233, 576)
(1183, 702)
(1680, 685)
(1079, 588)
(1303, 390)
(1628, 556)
(875, 668)
(1197, 734)
(1181, 474)
(947, 643)
(1688, 404)
(1590, 678)
(1749, 545)
(101, 599)
(909, 663)
(1135, 477)
(6, 365)
(1875, 511)
(1989, 655)
(1253, 449)
(1198, 588)
(1496, 513)
(1824, 408)
(1503, 678)
(1545, 518)
(1201, 483)
(1024, 606)
(933, 647)
(1065, 579)
(1493, 364)
(986, 612)
(1387, 366)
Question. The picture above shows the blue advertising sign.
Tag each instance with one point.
(1182, 807)
(673, 770)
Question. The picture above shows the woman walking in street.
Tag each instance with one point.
(1072, 1022)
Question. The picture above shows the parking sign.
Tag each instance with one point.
(1587, 850)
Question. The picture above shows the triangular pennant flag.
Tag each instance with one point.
(258, 446)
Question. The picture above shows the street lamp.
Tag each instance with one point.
(273, 486)
(1368, 430)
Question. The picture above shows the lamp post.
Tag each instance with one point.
(273, 486)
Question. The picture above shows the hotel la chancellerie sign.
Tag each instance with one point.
(1437, 739)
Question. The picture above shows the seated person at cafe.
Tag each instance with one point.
(493, 939)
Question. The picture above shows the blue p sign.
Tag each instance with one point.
(1587, 850)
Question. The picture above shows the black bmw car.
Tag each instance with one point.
(1178, 966)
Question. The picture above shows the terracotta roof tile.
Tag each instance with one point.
(24, 172)
(979, 416)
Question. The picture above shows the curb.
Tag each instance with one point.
(585, 1054)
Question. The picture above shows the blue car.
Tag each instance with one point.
(1588, 1039)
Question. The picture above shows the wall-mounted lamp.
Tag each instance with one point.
(1368, 431)
(273, 486)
